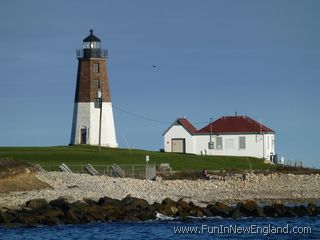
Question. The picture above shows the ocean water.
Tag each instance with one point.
(210, 228)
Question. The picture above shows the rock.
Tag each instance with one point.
(73, 216)
(114, 214)
(251, 208)
(184, 208)
(37, 203)
(207, 212)
(6, 218)
(53, 221)
(313, 209)
(168, 201)
(106, 201)
(181, 204)
(96, 212)
(61, 203)
(132, 203)
(170, 210)
(81, 205)
(302, 211)
(49, 213)
(278, 210)
(89, 201)
(220, 209)
(238, 214)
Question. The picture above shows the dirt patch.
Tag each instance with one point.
(22, 182)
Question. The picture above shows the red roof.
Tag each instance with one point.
(235, 124)
(187, 125)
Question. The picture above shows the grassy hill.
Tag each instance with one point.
(51, 157)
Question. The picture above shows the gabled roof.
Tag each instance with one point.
(235, 124)
(185, 124)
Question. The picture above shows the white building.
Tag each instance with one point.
(228, 136)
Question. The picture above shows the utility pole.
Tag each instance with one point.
(100, 118)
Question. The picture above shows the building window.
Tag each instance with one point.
(97, 83)
(229, 144)
(97, 102)
(219, 142)
(95, 67)
(242, 142)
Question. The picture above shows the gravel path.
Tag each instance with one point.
(265, 189)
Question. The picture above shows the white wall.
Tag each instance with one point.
(85, 114)
(177, 131)
(254, 145)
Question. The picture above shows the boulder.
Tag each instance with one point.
(313, 209)
(81, 205)
(220, 209)
(278, 210)
(168, 201)
(6, 217)
(207, 212)
(29, 220)
(114, 214)
(251, 208)
(237, 213)
(61, 203)
(132, 203)
(53, 221)
(89, 201)
(302, 211)
(183, 205)
(106, 201)
(96, 212)
(73, 216)
(169, 210)
(37, 203)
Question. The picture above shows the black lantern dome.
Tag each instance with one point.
(91, 41)
(92, 48)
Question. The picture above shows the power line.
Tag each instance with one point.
(140, 116)
(150, 119)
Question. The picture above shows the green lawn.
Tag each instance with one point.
(51, 157)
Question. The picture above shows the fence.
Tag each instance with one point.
(291, 163)
(140, 171)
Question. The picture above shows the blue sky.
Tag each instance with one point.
(259, 58)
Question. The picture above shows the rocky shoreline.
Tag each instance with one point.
(264, 189)
(60, 211)
(81, 198)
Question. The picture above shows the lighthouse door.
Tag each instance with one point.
(83, 135)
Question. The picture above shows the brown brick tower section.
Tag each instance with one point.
(92, 76)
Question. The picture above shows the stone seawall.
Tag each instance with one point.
(61, 211)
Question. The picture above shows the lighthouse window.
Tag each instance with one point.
(95, 67)
(97, 102)
(97, 84)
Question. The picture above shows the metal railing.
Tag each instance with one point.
(92, 53)
(140, 171)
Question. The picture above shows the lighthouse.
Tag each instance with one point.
(93, 121)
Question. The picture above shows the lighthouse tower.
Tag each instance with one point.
(93, 122)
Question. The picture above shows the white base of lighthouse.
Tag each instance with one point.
(86, 122)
